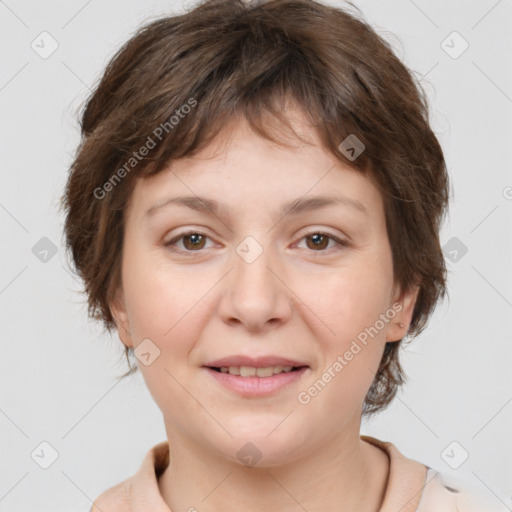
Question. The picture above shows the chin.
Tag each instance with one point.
(260, 444)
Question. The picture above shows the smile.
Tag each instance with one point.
(249, 381)
(252, 371)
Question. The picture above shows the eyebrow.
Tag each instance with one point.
(295, 207)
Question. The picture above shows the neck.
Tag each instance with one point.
(345, 474)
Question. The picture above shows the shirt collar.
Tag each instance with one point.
(404, 488)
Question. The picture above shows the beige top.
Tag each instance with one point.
(411, 487)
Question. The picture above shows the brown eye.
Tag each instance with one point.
(195, 241)
(192, 242)
(318, 241)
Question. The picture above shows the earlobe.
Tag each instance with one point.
(120, 316)
(399, 326)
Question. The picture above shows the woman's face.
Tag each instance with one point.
(257, 278)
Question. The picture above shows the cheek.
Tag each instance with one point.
(168, 308)
(349, 300)
(164, 304)
(351, 303)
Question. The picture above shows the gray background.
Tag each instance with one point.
(58, 369)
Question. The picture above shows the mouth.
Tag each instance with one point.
(256, 378)
(253, 371)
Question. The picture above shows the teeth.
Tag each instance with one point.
(246, 371)
(234, 370)
(251, 371)
(265, 372)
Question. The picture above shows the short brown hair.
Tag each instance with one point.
(229, 58)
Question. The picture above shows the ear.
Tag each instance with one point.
(399, 325)
(120, 315)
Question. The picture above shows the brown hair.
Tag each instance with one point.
(229, 58)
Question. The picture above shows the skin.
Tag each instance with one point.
(295, 300)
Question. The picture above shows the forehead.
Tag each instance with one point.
(241, 169)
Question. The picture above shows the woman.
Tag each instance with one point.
(255, 208)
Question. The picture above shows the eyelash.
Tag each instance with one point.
(341, 243)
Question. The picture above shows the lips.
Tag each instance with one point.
(255, 362)
(256, 381)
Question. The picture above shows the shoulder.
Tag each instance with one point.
(141, 490)
(114, 499)
(416, 487)
(444, 494)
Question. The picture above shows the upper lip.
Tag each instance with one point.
(256, 362)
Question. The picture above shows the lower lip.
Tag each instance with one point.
(257, 386)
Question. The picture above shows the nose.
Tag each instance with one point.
(255, 295)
